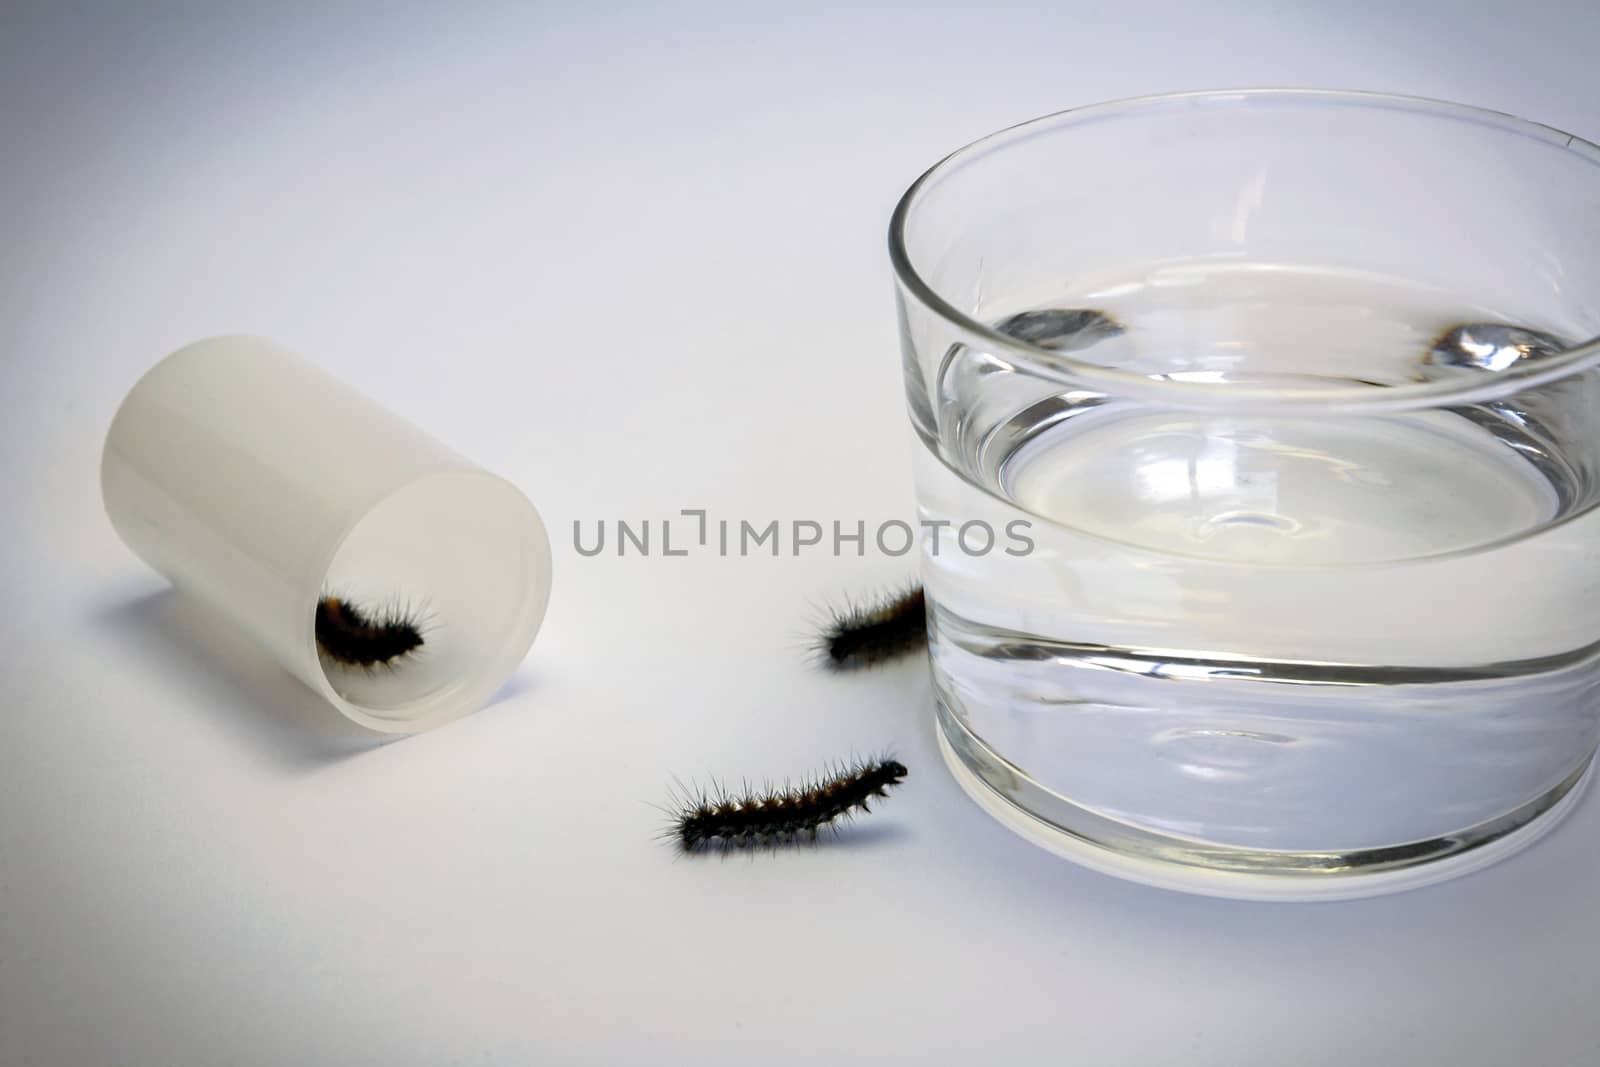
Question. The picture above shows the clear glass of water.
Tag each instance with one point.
(1293, 397)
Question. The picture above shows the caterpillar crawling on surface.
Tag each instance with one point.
(882, 630)
(720, 820)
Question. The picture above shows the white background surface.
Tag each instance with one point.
(633, 260)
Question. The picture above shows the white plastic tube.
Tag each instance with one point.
(259, 484)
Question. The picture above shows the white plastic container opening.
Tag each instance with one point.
(259, 484)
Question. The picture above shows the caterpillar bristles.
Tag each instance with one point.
(881, 630)
(365, 637)
(714, 819)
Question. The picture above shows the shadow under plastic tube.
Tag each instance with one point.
(224, 674)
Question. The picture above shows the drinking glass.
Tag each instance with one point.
(1284, 410)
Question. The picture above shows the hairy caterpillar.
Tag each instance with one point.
(718, 819)
(879, 631)
(360, 637)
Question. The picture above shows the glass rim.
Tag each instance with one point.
(1117, 382)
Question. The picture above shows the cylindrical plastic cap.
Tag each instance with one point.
(261, 485)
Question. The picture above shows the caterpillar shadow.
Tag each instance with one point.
(845, 839)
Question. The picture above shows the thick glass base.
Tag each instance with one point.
(1169, 862)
